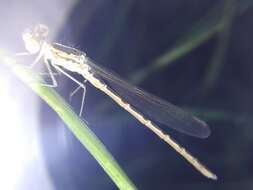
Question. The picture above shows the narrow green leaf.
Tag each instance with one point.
(199, 33)
(73, 122)
(218, 59)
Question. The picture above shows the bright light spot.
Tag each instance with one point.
(14, 147)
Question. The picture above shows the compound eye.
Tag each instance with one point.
(41, 31)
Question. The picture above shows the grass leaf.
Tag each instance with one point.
(73, 122)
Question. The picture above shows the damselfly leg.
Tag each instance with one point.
(80, 85)
(83, 96)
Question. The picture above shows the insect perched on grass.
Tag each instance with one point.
(145, 107)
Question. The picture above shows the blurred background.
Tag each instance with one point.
(195, 54)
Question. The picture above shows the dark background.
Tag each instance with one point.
(196, 54)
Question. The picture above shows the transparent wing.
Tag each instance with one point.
(152, 106)
(149, 105)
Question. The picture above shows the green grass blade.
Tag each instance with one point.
(74, 123)
(197, 35)
(200, 32)
(218, 59)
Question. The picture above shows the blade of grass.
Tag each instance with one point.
(74, 123)
(201, 32)
(218, 60)
(198, 34)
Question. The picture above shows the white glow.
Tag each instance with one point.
(13, 147)
(19, 145)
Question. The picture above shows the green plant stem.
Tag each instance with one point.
(201, 32)
(73, 122)
(197, 35)
(218, 60)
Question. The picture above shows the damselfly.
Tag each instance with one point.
(145, 107)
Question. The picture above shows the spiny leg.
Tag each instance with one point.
(77, 89)
(81, 85)
(83, 96)
(52, 77)
(50, 72)
(82, 102)
(37, 59)
(40, 55)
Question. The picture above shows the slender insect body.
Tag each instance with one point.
(63, 57)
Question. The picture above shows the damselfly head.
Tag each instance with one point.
(33, 38)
